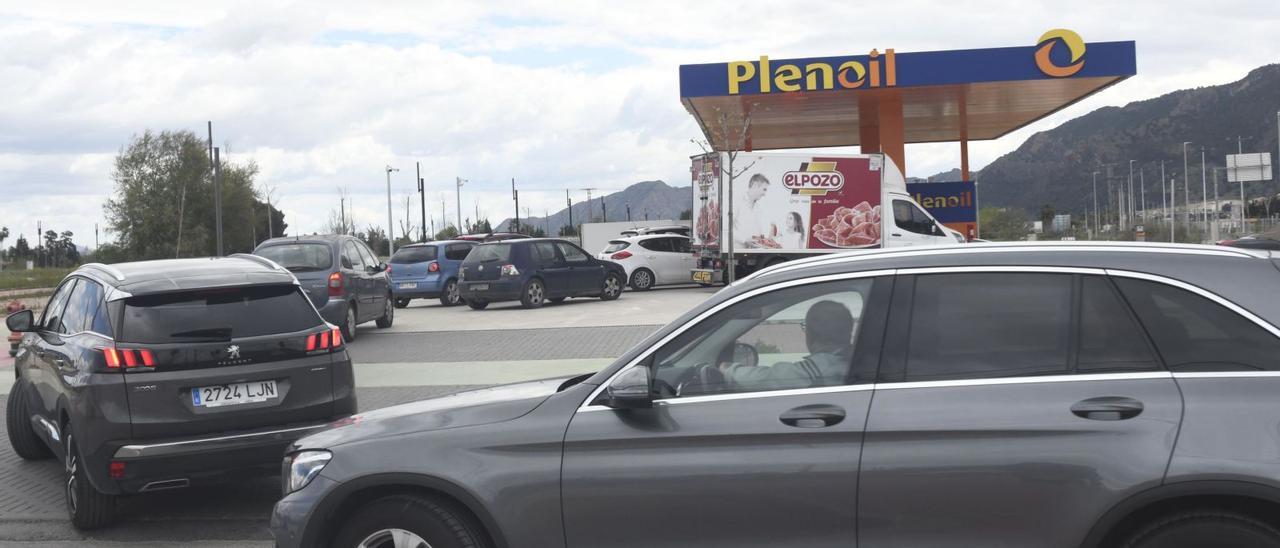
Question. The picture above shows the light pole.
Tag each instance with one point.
(1204, 193)
(1186, 189)
(459, 181)
(391, 246)
(1096, 228)
(1129, 209)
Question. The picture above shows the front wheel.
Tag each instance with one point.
(86, 506)
(642, 280)
(388, 313)
(22, 436)
(612, 287)
(1193, 529)
(409, 521)
(401, 302)
(477, 305)
(451, 296)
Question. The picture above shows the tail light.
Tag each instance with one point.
(388, 268)
(510, 270)
(116, 469)
(433, 267)
(621, 255)
(127, 358)
(329, 340)
(335, 284)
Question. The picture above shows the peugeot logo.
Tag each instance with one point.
(233, 352)
(482, 268)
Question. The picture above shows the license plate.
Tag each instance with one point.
(479, 287)
(236, 393)
(702, 276)
(408, 285)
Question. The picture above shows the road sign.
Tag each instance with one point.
(1244, 168)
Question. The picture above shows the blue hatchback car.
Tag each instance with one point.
(428, 271)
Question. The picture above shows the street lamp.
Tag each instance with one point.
(459, 181)
(1096, 228)
(391, 246)
(1204, 194)
(1186, 188)
(1128, 205)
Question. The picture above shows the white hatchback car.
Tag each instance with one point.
(652, 259)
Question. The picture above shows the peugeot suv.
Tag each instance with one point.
(157, 375)
(994, 395)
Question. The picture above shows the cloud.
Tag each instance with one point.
(559, 95)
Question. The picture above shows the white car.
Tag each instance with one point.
(652, 259)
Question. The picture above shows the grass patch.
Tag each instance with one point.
(32, 279)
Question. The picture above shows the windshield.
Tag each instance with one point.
(217, 314)
(415, 254)
(489, 252)
(299, 257)
(615, 246)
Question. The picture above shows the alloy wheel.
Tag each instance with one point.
(611, 285)
(452, 291)
(394, 538)
(642, 279)
(536, 294)
(351, 324)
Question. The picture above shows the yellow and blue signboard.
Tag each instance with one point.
(953, 204)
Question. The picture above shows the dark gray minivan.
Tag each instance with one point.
(1005, 395)
(343, 277)
(157, 375)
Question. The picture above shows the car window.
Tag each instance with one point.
(217, 314)
(616, 246)
(797, 337)
(52, 319)
(657, 244)
(1110, 340)
(350, 257)
(545, 252)
(101, 320)
(985, 325)
(299, 257)
(910, 217)
(366, 255)
(457, 252)
(74, 313)
(682, 245)
(1193, 333)
(415, 254)
(87, 303)
(571, 253)
(488, 253)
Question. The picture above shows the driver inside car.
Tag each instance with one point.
(828, 327)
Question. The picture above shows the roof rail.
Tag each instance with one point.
(110, 270)
(258, 259)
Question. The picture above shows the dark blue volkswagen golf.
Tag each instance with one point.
(428, 271)
(534, 271)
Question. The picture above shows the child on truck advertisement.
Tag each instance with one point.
(797, 203)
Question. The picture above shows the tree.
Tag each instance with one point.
(686, 215)
(568, 230)
(21, 250)
(4, 234)
(1003, 224)
(162, 205)
(447, 233)
(1047, 214)
(376, 237)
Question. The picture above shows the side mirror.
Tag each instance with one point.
(22, 320)
(630, 390)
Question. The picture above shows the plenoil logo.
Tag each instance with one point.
(1050, 40)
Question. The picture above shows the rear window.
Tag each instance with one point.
(299, 257)
(489, 252)
(417, 254)
(217, 314)
(616, 246)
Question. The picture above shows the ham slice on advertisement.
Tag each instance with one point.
(706, 193)
(800, 203)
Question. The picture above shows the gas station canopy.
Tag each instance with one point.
(884, 100)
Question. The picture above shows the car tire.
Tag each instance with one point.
(451, 295)
(402, 302)
(22, 436)
(349, 325)
(477, 305)
(642, 279)
(534, 294)
(388, 313)
(1220, 529)
(612, 287)
(433, 523)
(86, 506)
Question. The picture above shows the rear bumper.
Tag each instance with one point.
(334, 311)
(493, 290)
(427, 287)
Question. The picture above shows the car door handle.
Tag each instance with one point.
(895, 235)
(1108, 408)
(813, 416)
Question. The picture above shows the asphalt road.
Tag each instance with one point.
(415, 359)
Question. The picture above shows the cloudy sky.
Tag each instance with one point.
(559, 95)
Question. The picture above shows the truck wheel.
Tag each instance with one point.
(17, 420)
(86, 506)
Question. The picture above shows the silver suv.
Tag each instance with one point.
(993, 395)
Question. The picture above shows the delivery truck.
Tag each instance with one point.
(786, 206)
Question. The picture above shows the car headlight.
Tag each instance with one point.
(302, 467)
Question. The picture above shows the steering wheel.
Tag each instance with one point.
(702, 378)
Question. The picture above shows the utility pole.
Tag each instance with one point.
(569, 202)
(1129, 209)
(1096, 227)
(444, 218)
(217, 196)
(1186, 189)
(604, 215)
(589, 202)
(95, 237)
(628, 213)
(391, 228)
(1164, 202)
(1204, 194)
(422, 196)
(1142, 181)
(459, 181)
(515, 195)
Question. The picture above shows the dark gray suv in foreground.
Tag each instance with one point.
(995, 395)
(162, 374)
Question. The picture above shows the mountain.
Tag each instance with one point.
(1055, 166)
(648, 200)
